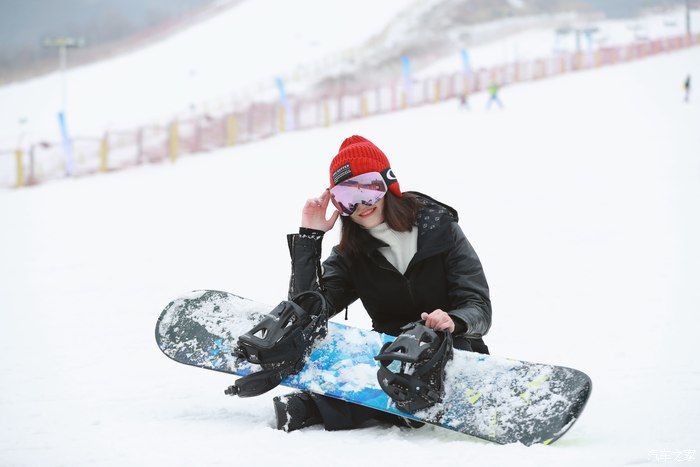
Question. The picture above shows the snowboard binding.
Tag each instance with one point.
(423, 354)
(280, 342)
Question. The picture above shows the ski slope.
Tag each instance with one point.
(581, 199)
(234, 56)
(538, 41)
(227, 54)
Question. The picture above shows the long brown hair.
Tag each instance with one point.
(399, 214)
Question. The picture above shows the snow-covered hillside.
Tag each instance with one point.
(251, 42)
(538, 38)
(235, 56)
(581, 198)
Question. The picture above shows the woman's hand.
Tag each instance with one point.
(438, 320)
(313, 216)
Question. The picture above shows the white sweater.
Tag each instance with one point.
(402, 245)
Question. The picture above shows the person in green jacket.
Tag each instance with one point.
(494, 88)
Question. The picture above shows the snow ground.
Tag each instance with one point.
(581, 198)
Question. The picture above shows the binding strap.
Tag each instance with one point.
(425, 352)
(280, 342)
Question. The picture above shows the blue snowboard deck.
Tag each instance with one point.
(494, 398)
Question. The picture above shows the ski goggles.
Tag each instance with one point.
(365, 189)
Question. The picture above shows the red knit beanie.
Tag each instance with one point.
(357, 156)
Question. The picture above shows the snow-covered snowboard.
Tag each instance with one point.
(494, 398)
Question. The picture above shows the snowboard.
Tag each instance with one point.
(494, 398)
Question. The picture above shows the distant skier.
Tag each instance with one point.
(686, 88)
(464, 100)
(401, 253)
(494, 89)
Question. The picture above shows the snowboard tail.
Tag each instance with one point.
(494, 398)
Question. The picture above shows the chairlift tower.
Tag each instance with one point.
(63, 43)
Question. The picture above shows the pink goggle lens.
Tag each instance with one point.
(365, 189)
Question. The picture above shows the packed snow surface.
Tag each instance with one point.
(580, 197)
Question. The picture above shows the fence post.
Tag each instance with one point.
(173, 141)
(273, 119)
(363, 105)
(326, 114)
(139, 146)
(104, 152)
(296, 123)
(280, 119)
(197, 143)
(19, 156)
(250, 124)
(436, 91)
(31, 180)
(340, 106)
(231, 130)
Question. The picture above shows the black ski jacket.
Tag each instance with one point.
(445, 273)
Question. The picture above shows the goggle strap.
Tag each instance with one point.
(388, 176)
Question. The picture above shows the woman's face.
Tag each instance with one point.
(369, 216)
